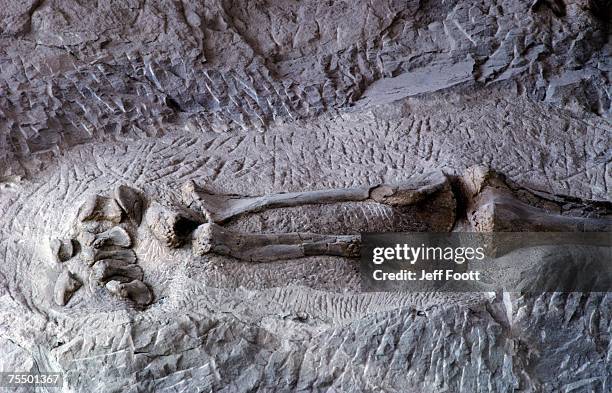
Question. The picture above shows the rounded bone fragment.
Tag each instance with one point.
(112, 269)
(116, 236)
(168, 226)
(99, 208)
(131, 201)
(63, 249)
(65, 286)
(135, 291)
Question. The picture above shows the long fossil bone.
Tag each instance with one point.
(497, 210)
(220, 208)
(495, 207)
(212, 238)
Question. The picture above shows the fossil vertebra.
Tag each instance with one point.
(92, 255)
(112, 269)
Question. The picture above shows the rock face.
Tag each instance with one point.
(183, 186)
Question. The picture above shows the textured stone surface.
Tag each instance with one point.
(131, 100)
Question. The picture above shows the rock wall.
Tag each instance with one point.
(193, 105)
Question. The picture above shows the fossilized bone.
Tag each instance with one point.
(113, 264)
(220, 208)
(63, 249)
(134, 290)
(213, 238)
(93, 255)
(169, 226)
(65, 286)
(100, 208)
(494, 207)
(111, 269)
(131, 201)
(116, 236)
(496, 210)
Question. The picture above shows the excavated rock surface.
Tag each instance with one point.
(254, 98)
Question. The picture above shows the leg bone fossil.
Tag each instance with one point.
(213, 238)
(495, 207)
(171, 227)
(221, 208)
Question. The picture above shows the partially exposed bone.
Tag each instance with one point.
(130, 201)
(115, 236)
(212, 238)
(93, 255)
(135, 291)
(63, 249)
(112, 269)
(169, 226)
(65, 286)
(497, 210)
(220, 208)
(99, 208)
(495, 207)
